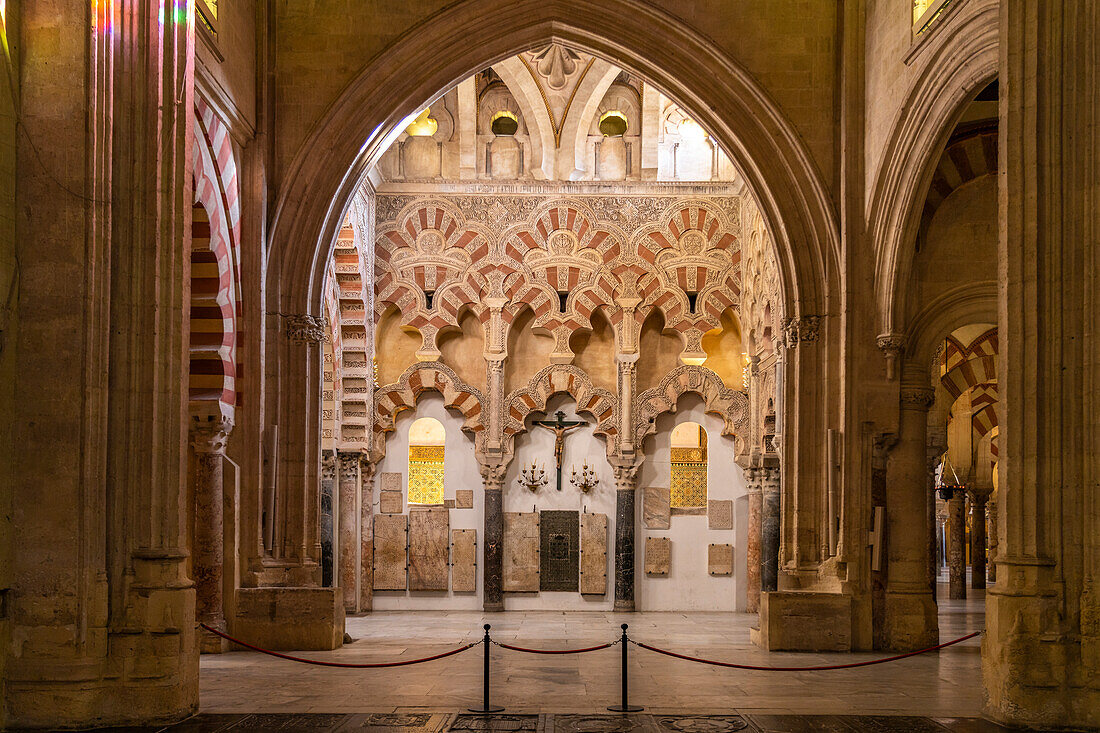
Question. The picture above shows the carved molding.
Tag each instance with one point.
(304, 328)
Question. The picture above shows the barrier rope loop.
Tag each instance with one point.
(345, 665)
(819, 668)
(556, 651)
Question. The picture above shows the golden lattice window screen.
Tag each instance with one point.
(689, 478)
(425, 474)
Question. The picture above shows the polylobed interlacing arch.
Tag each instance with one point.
(562, 379)
(422, 377)
(563, 263)
(731, 405)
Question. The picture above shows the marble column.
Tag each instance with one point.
(753, 576)
(208, 439)
(626, 485)
(991, 566)
(978, 498)
(328, 507)
(492, 590)
(911, 620)
(348, 542)
(769, 530)
(956, 545)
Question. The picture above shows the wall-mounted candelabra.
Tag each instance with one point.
(586, 480)
(533, 477)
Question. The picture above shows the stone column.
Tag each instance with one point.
(978, 498)
(911, 621)
(348, 541)
(208, 438)
(769, 530)
(492, 588)
(991, 566)
(626, 488)
(328, 507)
(956, 545)
(366, 534)
(753, 576)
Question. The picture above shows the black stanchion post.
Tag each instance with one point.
(485, 707)
(625, 707)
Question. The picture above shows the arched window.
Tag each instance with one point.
(426, 440)
(689, 466)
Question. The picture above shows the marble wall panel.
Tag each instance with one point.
(658, 555)
(720, 514)
(594, 554)
(464, 499)
(428, 549)
(655, 507)
(391, 502)
(464, 560)
(390, 541)
(521, 551)
(720, 559)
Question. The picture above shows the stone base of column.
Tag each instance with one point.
(804, 621)
(624, 606)
(297, 619)
(493, 607)
(912, 621)
(210, 643)
(1033, 676)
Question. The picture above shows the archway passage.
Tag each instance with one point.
(562, 230)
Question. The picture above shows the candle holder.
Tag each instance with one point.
(586, 480)
(532, 477)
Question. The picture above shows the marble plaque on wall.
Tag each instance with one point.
(389, 551)
(658, 555)
(720, 559)
(428, 549)
(559, 550)
(594, 554)
(390, 482)
(464, 560)
(655, 507)
(521, 552)
(391, 502)
(464, 498)
(720, 514)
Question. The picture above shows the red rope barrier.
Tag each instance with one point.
(346, 665)
(555, 651)
(805, 669)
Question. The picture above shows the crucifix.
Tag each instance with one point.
(560, 427)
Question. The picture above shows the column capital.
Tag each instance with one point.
(801, 330)
(626, 474)
(493, 475)
(304, 328)
(210, 434)
(917, 397)
(349, 460)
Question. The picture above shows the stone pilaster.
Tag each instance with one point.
(208, 439)
(911, 620)
(626, 489)
(978, 498)
(347, 536)
(492, 592)
(956, 546)
(366, 534)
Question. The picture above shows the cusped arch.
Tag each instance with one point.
(730, 405)
(562, 379)
(390, 400)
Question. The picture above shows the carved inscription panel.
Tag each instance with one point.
(464, 560)
(389, 551)
(521, 552)
(720, 559)
(720, 514)
(594, 554)
(428, 549)
(658, 555)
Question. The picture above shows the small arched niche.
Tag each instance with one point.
(427, 438)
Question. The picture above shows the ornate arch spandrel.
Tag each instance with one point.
(718, 399)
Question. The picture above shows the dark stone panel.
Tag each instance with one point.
(465, 722)
(559, 550)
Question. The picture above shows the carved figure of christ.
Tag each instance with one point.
(560, 426)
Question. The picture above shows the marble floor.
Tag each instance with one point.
(944, 684)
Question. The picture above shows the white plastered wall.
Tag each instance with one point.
(689, 585)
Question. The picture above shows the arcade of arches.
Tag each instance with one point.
(321, 315)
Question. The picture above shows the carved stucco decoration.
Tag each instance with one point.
(304, 328)
(731, 405)
(568, 379)
(403, 395)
